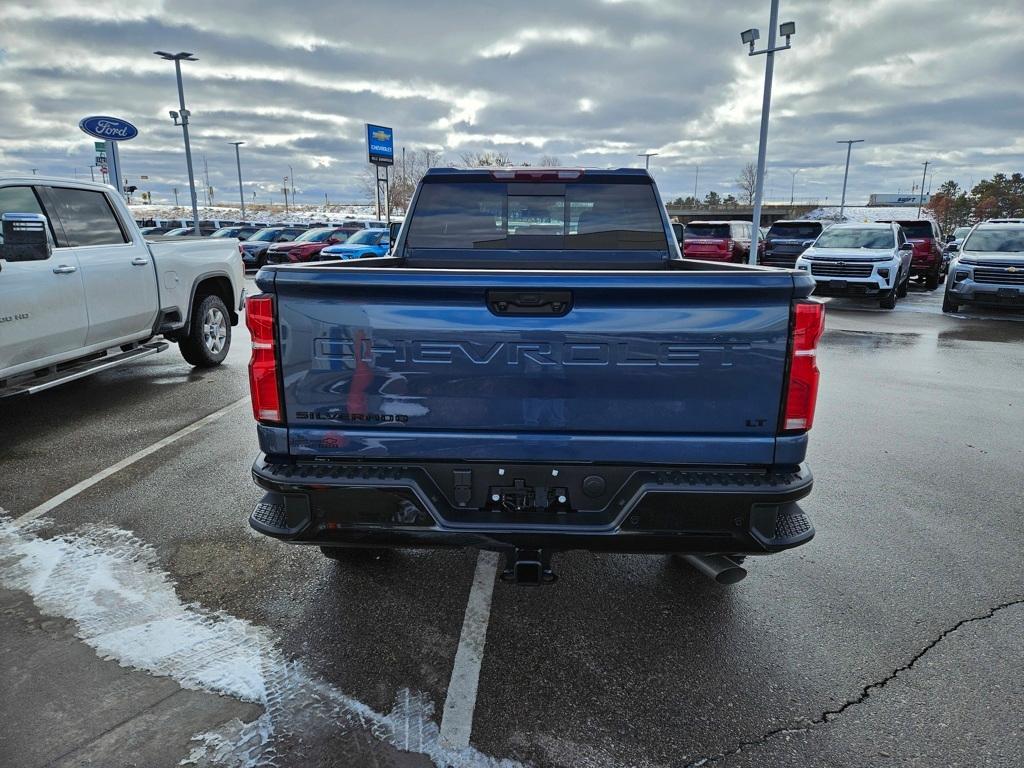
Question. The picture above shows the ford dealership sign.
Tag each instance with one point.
(108, 128)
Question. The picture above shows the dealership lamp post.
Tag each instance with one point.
(238, 163)
(183, 113)
(849, 145)
(792, 189)
(749, 37)
(647, 159)
(920, 203)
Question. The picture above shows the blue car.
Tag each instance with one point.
(361, 245)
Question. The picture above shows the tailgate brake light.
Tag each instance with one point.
(263, 380)
(570, 174)
(802, 387)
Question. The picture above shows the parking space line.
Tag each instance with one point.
(89, 482)
(459, 704)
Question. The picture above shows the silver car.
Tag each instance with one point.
(870, 260)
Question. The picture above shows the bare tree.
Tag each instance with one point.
(484, 159)
(404, 176)
(549, 161)
(747, 182)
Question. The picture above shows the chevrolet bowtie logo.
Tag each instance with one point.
(1011, 269)
(381, 135)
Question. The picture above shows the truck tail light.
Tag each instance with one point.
(263, 380)
(802, 387)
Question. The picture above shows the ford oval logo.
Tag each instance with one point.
(108, 128)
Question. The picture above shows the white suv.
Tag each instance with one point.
(871, 260)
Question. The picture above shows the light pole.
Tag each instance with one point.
(647, 159)
(920, 200)
(696, 178)
(750, 36)
(238, 162)
(183, 113)
(291, 175)
(849, 145)
(792, 189)
(284, 188)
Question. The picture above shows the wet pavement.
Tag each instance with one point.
(891, 639)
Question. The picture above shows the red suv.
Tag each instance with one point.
(718, 241)
(926, 262)
(307, 246)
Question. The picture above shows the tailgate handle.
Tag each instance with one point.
(548, 303)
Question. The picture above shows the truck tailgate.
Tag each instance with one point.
(673, 367)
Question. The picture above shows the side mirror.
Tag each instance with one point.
(24, 237)
(281, 239)
(906, 246)
(808, 243)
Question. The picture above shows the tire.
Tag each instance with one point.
(355, 554)
(931, 281)
(889, 300)
(902, 287)
(209, 336)
(949, 306)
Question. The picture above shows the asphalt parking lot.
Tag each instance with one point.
(892, 639)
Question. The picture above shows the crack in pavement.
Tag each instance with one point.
(830, 714)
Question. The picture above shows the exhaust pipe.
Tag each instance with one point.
(717, 567)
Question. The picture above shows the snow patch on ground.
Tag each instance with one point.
(296, 214)
(864, 213)
(126, 608)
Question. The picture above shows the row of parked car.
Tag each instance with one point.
(260, 243)
(983, 264)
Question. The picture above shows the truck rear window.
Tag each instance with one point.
(806, 231)
(718, 231)
(537, 216)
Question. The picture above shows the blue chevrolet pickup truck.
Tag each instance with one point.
(535, 368)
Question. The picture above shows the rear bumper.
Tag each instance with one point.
(925, 266)
(634, 509)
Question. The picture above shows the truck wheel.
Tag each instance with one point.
(889, 300)
(948, 306)
(931, 282)
(355, 554)
(209, 336)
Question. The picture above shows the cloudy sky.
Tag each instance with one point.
(592, 82)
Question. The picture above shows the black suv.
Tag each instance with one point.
(785, 241)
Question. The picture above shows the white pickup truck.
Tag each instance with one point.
(82, 291)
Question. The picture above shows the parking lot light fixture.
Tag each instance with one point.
(849, 144)
(750, 37)
(183, 114)
(647, 159)
(238, 163)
